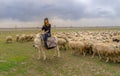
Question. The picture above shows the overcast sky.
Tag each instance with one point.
(60, 12)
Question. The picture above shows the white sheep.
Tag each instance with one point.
(77, 47)
(9, 39)
(22, 38)
(107, 51)
(17, 37)
(62, 42)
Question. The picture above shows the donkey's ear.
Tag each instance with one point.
(36, 32)
(39, 31)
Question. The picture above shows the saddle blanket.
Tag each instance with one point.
(51, 42)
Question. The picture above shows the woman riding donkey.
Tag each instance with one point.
(51, 42)
(47, 31)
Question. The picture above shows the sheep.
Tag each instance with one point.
(22, 38)
(107, 51)
(17, 37)
(9, 39)
(97, 47)
(31, 37)
(77, 47)
(112, 52)
(62, 42)
(93, 43)
(26, 38)
(116, 38)
(88, 46)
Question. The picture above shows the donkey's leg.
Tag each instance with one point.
(43, 52)
(55, 53)
(39, 53)
(58, 51)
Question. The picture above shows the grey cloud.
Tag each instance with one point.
(25, 10)
(110, 6)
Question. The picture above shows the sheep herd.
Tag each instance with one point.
(20, 38)
(104, 44)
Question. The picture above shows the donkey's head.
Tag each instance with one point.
(37, 35)
(37, 40)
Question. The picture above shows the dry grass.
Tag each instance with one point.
(19, 59)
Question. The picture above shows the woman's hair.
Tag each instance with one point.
(47, 21)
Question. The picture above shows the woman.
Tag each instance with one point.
(47, 31)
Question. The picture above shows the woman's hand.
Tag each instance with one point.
(45, 32)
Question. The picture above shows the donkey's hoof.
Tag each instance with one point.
(38, 58)
(59, 56)
(44, 58)
(54, 55)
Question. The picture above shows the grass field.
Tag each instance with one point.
(19, 59)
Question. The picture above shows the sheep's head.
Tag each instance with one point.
(67, 39)
(117, 48)
(89, 44)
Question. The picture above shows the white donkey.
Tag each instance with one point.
(38, 44)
